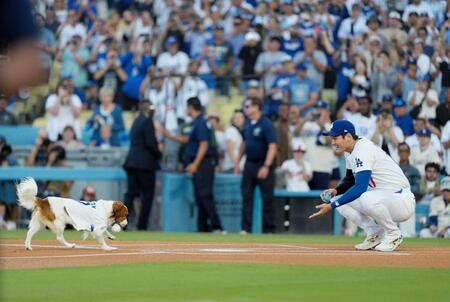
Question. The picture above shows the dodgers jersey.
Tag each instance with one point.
(386, 174)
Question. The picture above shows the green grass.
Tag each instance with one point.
(184, 281)
(194, 237)
(224, 282)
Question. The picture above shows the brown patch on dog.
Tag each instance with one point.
(45, 211)
(119, 211)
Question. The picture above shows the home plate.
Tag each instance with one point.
(225, 250)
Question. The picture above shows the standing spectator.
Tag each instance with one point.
(248, 55)
(283, 138)
(322, 159)
(268, 63)
(69, 29)
(173, 62)
(352, 27)
(201, 157)
(135, 63)
(314, 60)
(424, 153)
(445, 139)
(109, 114)
(233, 140)
(63, 109)
(110, 73)
(39, 154)
(191, 86)
(438, 217)
(69, 140)
(408, 227)
(383, 78)
(220, 60)
(402, 117)
(409, 81)
(387, 136)
(359, 112)
(46, 45)
(409, 170)
(302, 91)
(425, 97)
(73, 60)
(443, 111)
(297, 171)
(260, 148)
(141, 163)
(6, 118)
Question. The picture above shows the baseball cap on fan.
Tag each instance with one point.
(445, 183)
(340, 127)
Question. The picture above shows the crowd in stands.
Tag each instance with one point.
(383, 65)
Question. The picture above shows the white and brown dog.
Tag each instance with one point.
(56, 212)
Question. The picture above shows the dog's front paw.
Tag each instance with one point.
(71, 245)
(108, 248)
(28, 248)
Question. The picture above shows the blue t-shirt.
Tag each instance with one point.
(300, 90)
(136, 74)
(405, 123)
(257, 138)
(200, 133)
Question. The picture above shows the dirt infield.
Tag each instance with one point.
(48, 253)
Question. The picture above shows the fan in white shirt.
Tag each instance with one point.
(173, 61)
(297, 172)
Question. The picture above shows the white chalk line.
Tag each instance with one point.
(198, 251)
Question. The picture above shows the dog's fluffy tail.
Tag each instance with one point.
(26, 192)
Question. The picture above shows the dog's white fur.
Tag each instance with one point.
(27, 191)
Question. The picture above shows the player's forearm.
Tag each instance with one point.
(361, 183)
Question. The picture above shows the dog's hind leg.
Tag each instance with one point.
(35, 226)
(59, 230)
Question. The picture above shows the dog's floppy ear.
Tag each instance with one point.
(119, 211)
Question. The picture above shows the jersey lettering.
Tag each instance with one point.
(359, 163)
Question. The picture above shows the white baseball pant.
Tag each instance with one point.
(379, 210)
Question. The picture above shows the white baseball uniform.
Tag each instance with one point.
(388, 199)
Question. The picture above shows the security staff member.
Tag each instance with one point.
(260, 148)
(142, 163)
(201, 155)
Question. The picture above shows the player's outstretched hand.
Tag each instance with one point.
(324, 208)
(326, 195)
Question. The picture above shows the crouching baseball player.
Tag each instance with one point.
(374, 194)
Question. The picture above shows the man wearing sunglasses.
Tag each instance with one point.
(374, 194)
(260, 147)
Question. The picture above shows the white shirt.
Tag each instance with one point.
(413, 142)
(177, 63)
(386, 174)
(68, 31)
(65, 117)
(320, 156)
(419, 158)
(419, 9)
(359, 28)
(294, 177)
(392, 149)
(439, 209)
(444, 138)
(191, 86)
(364, 126)
(232, 134)
(164, 102)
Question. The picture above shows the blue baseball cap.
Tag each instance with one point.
(399, 103)
(340, 127)
(387, 98)
(424, 77)
(171, 40)
(322, 104)
(301, 66)
(424, 132)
